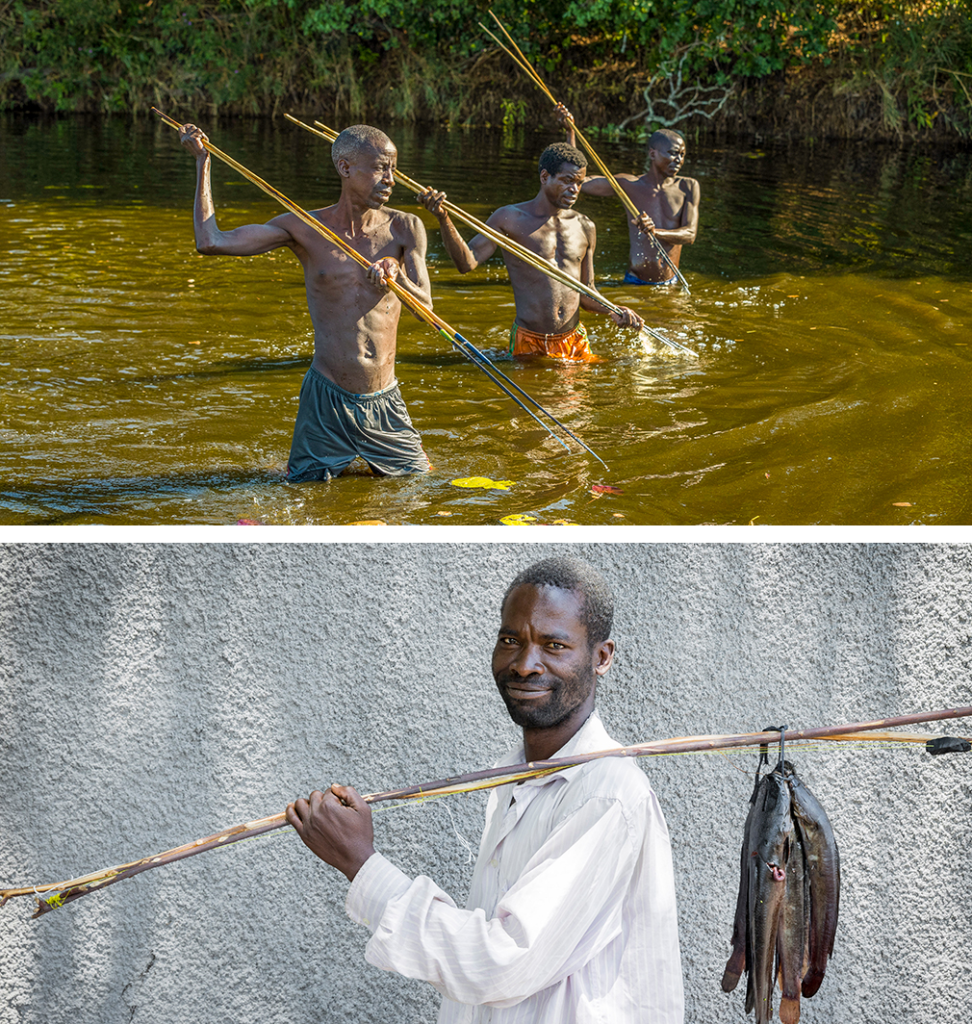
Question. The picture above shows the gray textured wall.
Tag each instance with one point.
(153, 694)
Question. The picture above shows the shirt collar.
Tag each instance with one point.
(589, 738)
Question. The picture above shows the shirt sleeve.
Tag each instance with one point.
(562, 910)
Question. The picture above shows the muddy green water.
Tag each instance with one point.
(143, 384)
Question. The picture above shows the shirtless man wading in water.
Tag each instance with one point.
(349, 401)
(670, 204)
(547, 312)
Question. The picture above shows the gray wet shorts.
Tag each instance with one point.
(333, 426)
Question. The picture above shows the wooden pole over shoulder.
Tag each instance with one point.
(51, 895)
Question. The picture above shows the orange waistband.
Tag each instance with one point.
(569, 345)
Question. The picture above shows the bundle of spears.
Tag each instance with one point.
(51, 895)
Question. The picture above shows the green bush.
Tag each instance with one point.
(431, 60)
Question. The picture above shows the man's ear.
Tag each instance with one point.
(343, 167)
(603, 657)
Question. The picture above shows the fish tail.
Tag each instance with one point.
(811, 983)
(789, 1010)
(731, 977)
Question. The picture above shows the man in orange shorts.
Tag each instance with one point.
(547, 312)
(571, 345)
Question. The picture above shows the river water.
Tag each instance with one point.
(831, 309)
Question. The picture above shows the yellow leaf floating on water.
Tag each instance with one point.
(518, 519)
(368, 522)
(484, 482)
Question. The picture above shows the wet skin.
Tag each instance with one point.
(354, 314)
(669, 205)
(550, 227)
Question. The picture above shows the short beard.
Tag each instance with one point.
(554, 713)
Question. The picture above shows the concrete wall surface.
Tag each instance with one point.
(154, 694)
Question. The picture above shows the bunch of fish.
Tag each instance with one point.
(789, 893)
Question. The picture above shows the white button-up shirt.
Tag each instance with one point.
(571, 914)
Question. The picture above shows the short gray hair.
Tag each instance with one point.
(352, 140)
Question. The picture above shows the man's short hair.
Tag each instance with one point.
(559, 153)
(352, 140)
(664, 135)
(580, 577)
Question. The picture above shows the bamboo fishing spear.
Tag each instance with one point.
(419, 309)
(51, 895)
(505, 242)
(519, 59)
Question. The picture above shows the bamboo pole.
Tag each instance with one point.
(419, 309)
(626, 201)
(505, 242)
(51, 895)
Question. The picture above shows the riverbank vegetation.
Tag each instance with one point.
(881, 69)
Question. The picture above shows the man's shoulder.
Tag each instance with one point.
(608, 785)
(512, 212)
(291, 220)
(580, 218)
(403, 220)
(619, 777)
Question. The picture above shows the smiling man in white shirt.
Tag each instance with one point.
(571, 913)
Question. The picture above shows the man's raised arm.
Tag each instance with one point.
(249, 240)
(465, 257)
(540, 932)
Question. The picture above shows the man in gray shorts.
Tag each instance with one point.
(350, 404)
(334, 425)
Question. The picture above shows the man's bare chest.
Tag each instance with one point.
(326, 258)
(663, 205)
(562, 244)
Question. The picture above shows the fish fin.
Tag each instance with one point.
(789, 1011)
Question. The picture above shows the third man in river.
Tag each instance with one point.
(669, 205)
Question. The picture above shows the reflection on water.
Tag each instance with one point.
(831, 305)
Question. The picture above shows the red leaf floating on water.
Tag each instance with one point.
(248, 522)
(599, 489)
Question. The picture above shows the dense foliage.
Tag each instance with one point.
(432, 60)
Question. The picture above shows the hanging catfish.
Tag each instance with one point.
(823, 872)
(791, 935)
(772, 843)
(789, 892)
(738, 960)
